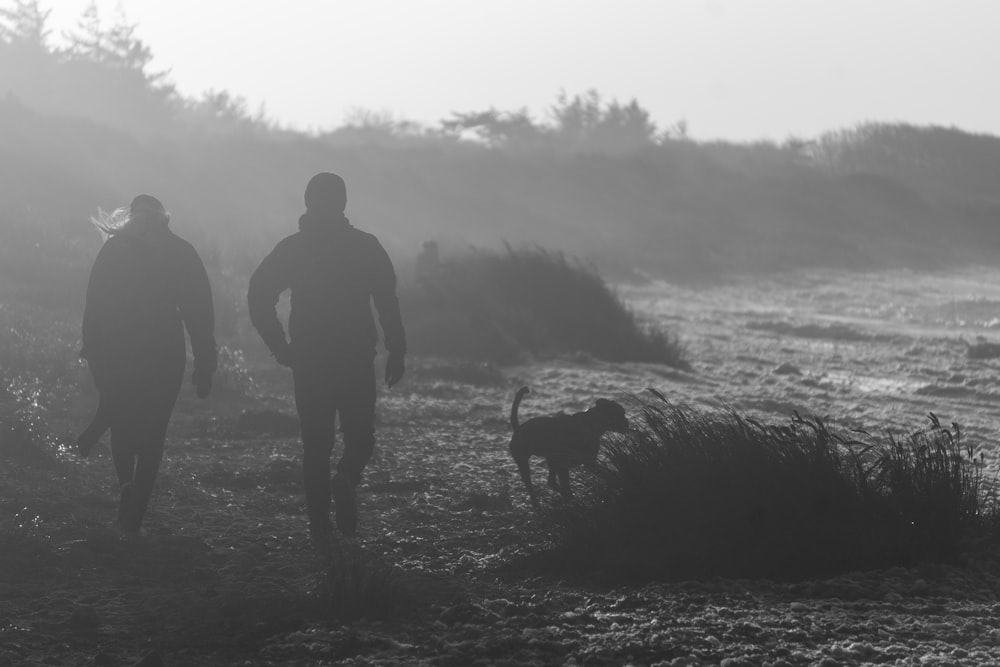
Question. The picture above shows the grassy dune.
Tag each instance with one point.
(504, 307)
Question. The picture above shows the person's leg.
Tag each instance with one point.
(123, 437)
(314, 401)
(149, 411)
(147, 465)
(117, 399)
(356, 403)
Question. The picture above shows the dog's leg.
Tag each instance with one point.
(525, 470)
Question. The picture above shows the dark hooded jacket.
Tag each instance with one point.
(334, 272)
(145, 288)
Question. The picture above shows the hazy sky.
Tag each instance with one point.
(734, 69)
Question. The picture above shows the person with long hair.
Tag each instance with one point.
(146, 287)
(335, 272)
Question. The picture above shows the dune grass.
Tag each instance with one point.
(689, 493)
(503, 306)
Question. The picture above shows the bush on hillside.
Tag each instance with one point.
(500, 306)
(688, 493)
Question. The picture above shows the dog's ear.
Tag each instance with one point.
(614, 412)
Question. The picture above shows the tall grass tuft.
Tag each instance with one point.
(500, 306)
(362, 587)
(691, 493)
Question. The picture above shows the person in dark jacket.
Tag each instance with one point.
(335, 272)
(146, 286)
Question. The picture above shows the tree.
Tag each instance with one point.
(108, 69)
(586, 122)
(26, 62)
(497, 128)
(23, 25)
(117, 46)
(87, 41)
(126, 51)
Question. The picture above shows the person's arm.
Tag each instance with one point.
(198, 314)
(389, 316)
(267, 283)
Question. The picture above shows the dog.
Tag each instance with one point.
(562, 440)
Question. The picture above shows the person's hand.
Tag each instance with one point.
(394, 368)
(202, 382)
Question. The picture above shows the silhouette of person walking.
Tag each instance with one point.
(334, 272)
(146, 286)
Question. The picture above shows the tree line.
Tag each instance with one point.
(594, 177)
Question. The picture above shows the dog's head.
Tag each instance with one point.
(612, 415)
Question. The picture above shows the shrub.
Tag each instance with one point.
(501, 306)
(691, 493)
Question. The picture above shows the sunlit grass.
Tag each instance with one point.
(38, 355)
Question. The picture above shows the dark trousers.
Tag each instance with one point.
(325, 389)
(140, 399)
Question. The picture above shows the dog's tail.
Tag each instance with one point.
(513, 409)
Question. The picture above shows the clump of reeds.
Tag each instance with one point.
(690, 493)
(499, 306)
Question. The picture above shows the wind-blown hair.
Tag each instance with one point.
(109, 223)
(114, 222)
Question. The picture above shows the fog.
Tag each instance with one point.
(87, 123)
(592, 253)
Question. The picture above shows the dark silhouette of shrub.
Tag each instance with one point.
(689, 493)
(498, 306)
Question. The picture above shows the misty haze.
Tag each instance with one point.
(562, 387)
